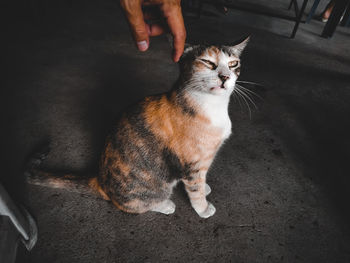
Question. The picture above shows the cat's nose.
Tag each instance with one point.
(223, 77)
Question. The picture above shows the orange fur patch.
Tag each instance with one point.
(189, 137)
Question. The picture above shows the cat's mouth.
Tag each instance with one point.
(221, 87)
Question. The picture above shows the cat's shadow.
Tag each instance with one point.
(120, 85)
(122, 81)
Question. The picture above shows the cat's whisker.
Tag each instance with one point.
(236, 98)
(247, 96)
(249, 82)
(248, 90)
(246, 102)
(240, 101)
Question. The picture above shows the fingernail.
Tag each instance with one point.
(142, 45)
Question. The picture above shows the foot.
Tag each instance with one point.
(166, 207)
(327, 12)
(207, 189)
(208, 212)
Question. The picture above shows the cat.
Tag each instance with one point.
(167, 138)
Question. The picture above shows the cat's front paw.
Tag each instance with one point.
(208, 212)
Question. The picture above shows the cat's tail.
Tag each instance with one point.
(71, 182)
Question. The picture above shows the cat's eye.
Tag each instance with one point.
(233, 64)
(209, 63)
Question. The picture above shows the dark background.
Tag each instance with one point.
(280, 184)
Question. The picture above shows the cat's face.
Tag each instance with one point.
(212, 69)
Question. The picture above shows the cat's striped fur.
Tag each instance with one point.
(168, 138)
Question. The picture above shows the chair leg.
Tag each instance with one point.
(346, 18)
(291, 4)
(9, 237)
(334, 18)
(312, 11)
(300, 15)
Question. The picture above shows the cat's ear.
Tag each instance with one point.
(238, 48)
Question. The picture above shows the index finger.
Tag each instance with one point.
(136, 21)
(173, 15)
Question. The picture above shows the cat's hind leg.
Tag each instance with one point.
(166, 207)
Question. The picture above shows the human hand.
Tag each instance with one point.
(170, 10)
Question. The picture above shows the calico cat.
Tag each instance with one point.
(167, 138)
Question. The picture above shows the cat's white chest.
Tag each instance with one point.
(216, 110)
(219, 118)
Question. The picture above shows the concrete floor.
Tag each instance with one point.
(280, 184)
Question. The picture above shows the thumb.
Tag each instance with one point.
(134, 15)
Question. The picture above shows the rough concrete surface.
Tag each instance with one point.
(280, 184)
